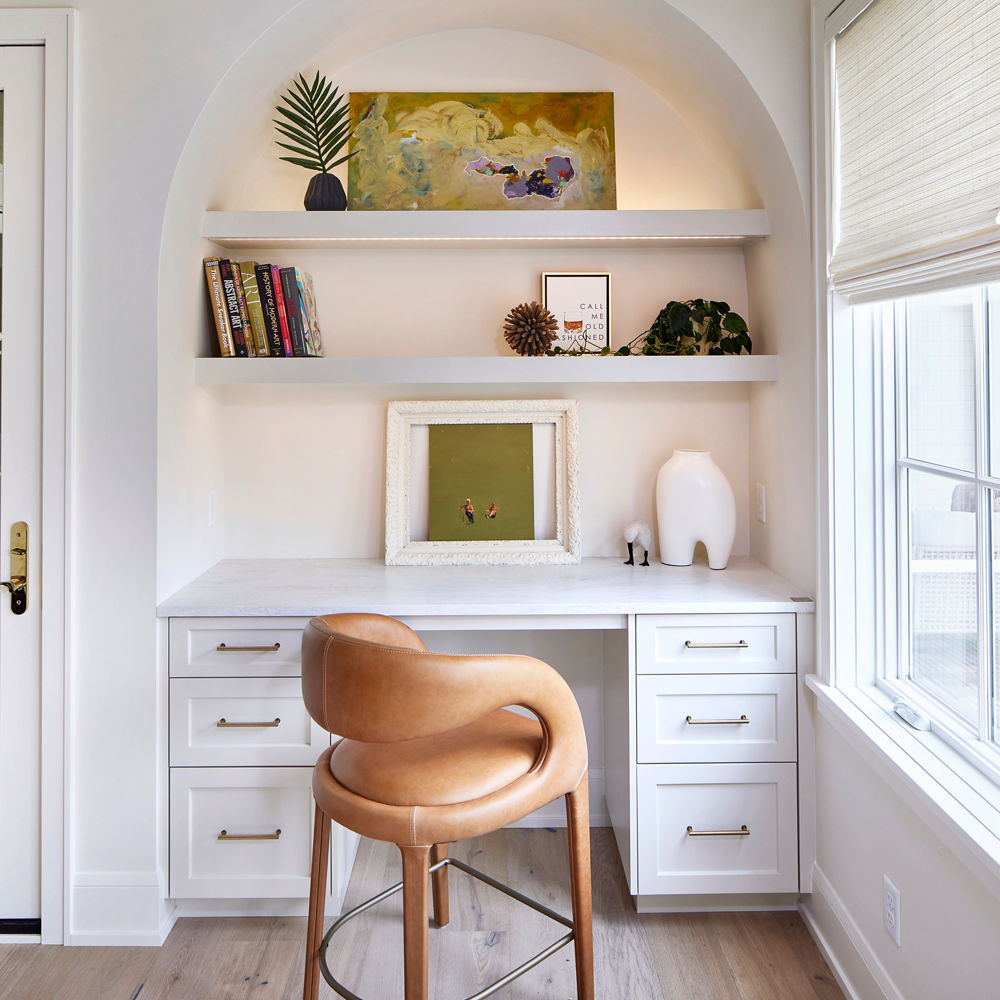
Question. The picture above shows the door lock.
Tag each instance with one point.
(18, 582)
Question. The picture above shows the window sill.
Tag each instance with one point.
(948, 794)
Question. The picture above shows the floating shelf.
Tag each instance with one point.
(446, 371)
(442, 229)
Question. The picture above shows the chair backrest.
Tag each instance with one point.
(371, 678)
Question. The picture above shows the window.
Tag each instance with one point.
(908, 100)
(927, 513)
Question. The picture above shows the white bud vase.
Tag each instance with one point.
(694, 503)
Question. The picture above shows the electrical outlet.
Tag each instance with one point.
(761, 505)
(890, 909)
(210, 508)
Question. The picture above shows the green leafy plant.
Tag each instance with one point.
(316, 121)
(698, 326)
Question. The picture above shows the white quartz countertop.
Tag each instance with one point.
(307, 587)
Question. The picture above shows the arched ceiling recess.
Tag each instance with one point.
(650, 39)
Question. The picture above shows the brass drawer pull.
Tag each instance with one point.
(222, 724)
(742, 644)
(252, 836)
(223, 648)
(743, 831)
(741, 721)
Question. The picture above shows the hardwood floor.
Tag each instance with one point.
(717, 956)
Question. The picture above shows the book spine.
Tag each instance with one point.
(233, 308)
(290, 290)
(275, 345)
(279, 301)
(241, 302)
(307, 307)
(251, 295)
(220, 312)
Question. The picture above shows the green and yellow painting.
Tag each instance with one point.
(480, 482)
(482, 151)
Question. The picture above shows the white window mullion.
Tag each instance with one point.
(898, 519)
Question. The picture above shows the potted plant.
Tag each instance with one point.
(697, 326)
(316, 122)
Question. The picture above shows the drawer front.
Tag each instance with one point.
(683, 718)
(240, 802)
(715, 644)
(242, 721)
(691, 820)
(236, 647)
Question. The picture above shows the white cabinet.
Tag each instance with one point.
(242, 750)
(714, 805)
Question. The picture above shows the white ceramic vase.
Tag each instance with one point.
(694, 503)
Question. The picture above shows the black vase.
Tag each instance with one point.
(325, 194)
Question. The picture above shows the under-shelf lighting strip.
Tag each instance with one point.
(468, 239)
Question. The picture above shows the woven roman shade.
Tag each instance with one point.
(917, 144)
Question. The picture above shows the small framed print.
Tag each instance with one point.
(581, 304)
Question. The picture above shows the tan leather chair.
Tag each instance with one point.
(429, 755)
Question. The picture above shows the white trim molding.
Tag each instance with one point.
(54, 28)
(854, 962)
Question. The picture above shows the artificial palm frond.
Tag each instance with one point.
(316, 122)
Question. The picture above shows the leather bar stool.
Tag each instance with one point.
(429, 755)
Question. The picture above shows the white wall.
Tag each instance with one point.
(949, 922)
(155, 80)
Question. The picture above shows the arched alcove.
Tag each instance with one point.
(681, 103)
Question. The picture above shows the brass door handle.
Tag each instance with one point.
(223, 648)
(741, 721)
(249, 836)
(742, 644)
(222, 724)
(743, 831)
(18, 582)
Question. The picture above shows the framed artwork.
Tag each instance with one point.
(581, 304)
(482, 481)
(482, 151)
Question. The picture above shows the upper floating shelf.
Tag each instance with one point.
(382, 230)
(484, 370)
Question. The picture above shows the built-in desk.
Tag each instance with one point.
(688, 680)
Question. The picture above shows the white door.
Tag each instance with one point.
(21, 155)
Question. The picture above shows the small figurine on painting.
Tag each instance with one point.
(638, 531)
(470, 511)
(492, 512)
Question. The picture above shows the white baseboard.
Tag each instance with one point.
(719, 903)
(854, 962)
(120, 908)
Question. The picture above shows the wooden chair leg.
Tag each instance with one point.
(578, 822)
(415, 864)
(439, 885)
(317, 901)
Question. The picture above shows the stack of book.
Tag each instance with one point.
(262, 310)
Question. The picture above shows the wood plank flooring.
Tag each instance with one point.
(717, 956)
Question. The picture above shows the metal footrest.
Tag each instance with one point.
(341, 989)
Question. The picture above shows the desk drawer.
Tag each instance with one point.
(241, 803)
(715, 644)
(241, 721)
(683, 718)
(717, 828)
(236, 647)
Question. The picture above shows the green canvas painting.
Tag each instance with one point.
(480, 482)
(482, 151)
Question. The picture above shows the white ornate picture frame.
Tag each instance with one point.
(555, 425)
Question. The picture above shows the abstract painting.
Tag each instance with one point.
(480, 482)
(482, 151)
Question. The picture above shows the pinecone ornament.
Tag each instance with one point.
(530, 328)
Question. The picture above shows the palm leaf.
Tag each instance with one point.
(315, 117)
